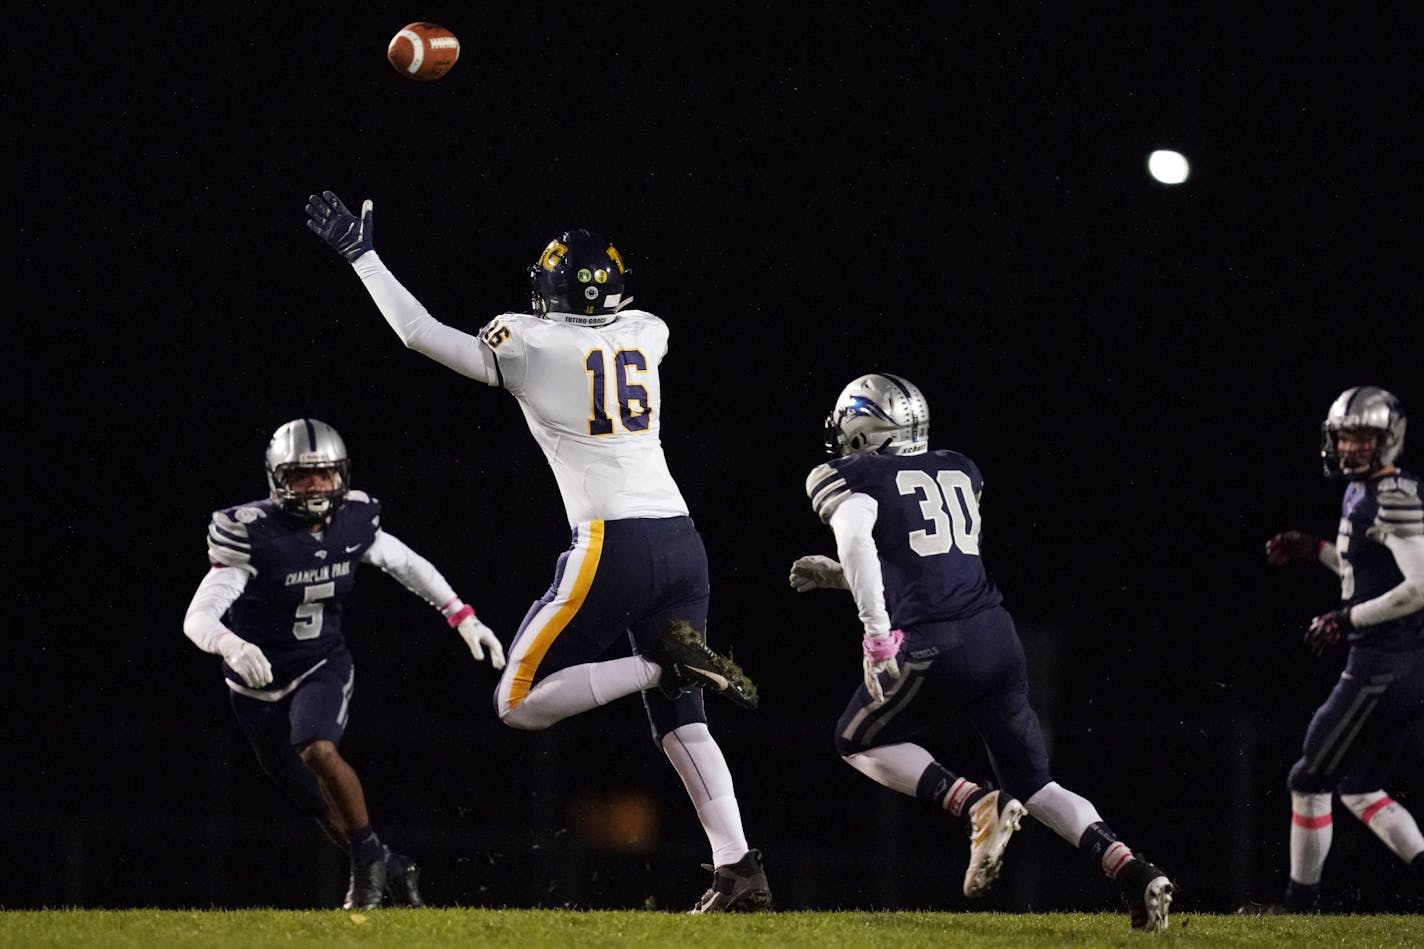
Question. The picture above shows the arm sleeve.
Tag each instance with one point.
(1330, 557)
(853, 521)
(216, 592)
(1408, 596)
(411, 570)
(420, 331)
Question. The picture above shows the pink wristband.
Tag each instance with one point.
(458, 617)
(881, 648)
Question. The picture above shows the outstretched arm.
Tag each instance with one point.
(420, 577)
(354, 239)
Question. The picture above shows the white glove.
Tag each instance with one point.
(880, 651)
(817, 573)
(246, 660)
(480, 637)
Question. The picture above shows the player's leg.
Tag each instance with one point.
(679, 721)
(1013, 737)
(553, 672)
(318, 716)
(267, 728)
(1332, 741)
(1376, 752)
(878, 739)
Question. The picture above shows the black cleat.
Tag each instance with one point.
(1148, 893)
(403, 887)
(688, 662)
(739, 887)
(368, 884)
(1298, 900)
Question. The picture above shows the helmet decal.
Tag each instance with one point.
(553, 255)
(879, 413)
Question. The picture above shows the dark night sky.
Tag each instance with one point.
(959, 197)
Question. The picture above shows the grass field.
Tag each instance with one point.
(535, 928)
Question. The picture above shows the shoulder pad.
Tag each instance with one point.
(229, 537)
(362, 505)
(1400, 512)
(826, 487)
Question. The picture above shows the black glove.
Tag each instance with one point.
(1327, 630)
(349, 235)
(1291, 546)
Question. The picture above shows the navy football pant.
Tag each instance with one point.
(628, 578)
(316, 709)
(1356, 737)
(971, 669)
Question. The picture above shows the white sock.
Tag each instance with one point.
(580, 688)
(897, 767)
(698, 760)
(1389, 820)
(1310, 834)
(1062, 811)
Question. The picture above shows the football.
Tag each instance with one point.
(423, 51)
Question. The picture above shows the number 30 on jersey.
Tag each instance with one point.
(949, 506)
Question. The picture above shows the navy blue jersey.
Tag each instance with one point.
(1371, 511)
(292, 606)
(926, 530)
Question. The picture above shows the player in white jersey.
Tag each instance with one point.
(584, 367)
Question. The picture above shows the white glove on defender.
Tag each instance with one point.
(817, 573)
(246, 660)
(879, 652)
(480, 637)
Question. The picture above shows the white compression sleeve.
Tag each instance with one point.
(409, 568)
(1329, 557)
(897, 767)
(1408, 596)
(217, 591)
(420, 331)
(852, 523)
(1062, 811)
(698, 760)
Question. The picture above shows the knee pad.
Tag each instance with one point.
(1360, 803)
(665, 714)
(1304, 781)
(1309, 804)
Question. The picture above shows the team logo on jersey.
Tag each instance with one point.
(319, 574)
(246, 515)
(320, 555)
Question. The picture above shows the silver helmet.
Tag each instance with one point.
(304, 445)
(1368, 409)
(879, 413)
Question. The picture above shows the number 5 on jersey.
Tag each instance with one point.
(948, 503)
(633, 408)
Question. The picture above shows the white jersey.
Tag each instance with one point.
(591, 394)
(593, 401)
